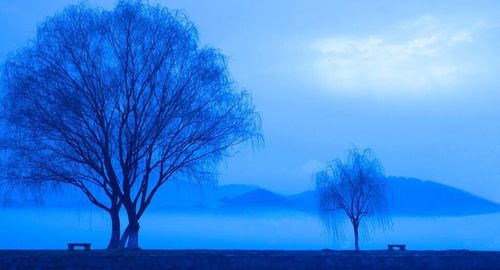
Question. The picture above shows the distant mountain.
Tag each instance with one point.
(186, 196)
(407, 197)
(258, 198)
(230, 191)
(415, 197)
(305, 201)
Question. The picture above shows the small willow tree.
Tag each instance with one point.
(355, 187)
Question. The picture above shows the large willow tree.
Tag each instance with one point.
(117, 103)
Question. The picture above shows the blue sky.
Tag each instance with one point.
(417, 81)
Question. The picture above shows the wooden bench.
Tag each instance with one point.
(400, 247)
(85, 246)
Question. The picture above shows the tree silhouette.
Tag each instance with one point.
(354, 186)
(117, 103)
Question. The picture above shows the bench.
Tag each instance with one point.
(400, 247)
(85, 246)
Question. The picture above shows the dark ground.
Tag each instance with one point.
(247, 259)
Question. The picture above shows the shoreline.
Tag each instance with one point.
(248, 259)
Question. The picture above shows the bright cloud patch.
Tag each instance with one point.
(418, 55)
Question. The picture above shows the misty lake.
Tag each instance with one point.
(52, 229)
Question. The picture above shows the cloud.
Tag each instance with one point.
(415, 55)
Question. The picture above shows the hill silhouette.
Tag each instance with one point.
(407, 197)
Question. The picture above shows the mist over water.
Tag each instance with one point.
(53, 229)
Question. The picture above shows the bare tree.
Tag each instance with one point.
(117, 103)
(354, 186)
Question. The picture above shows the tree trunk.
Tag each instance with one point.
(130, 237)
(356, 236)
(124, 238)
(114, 242)
(133, 234)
